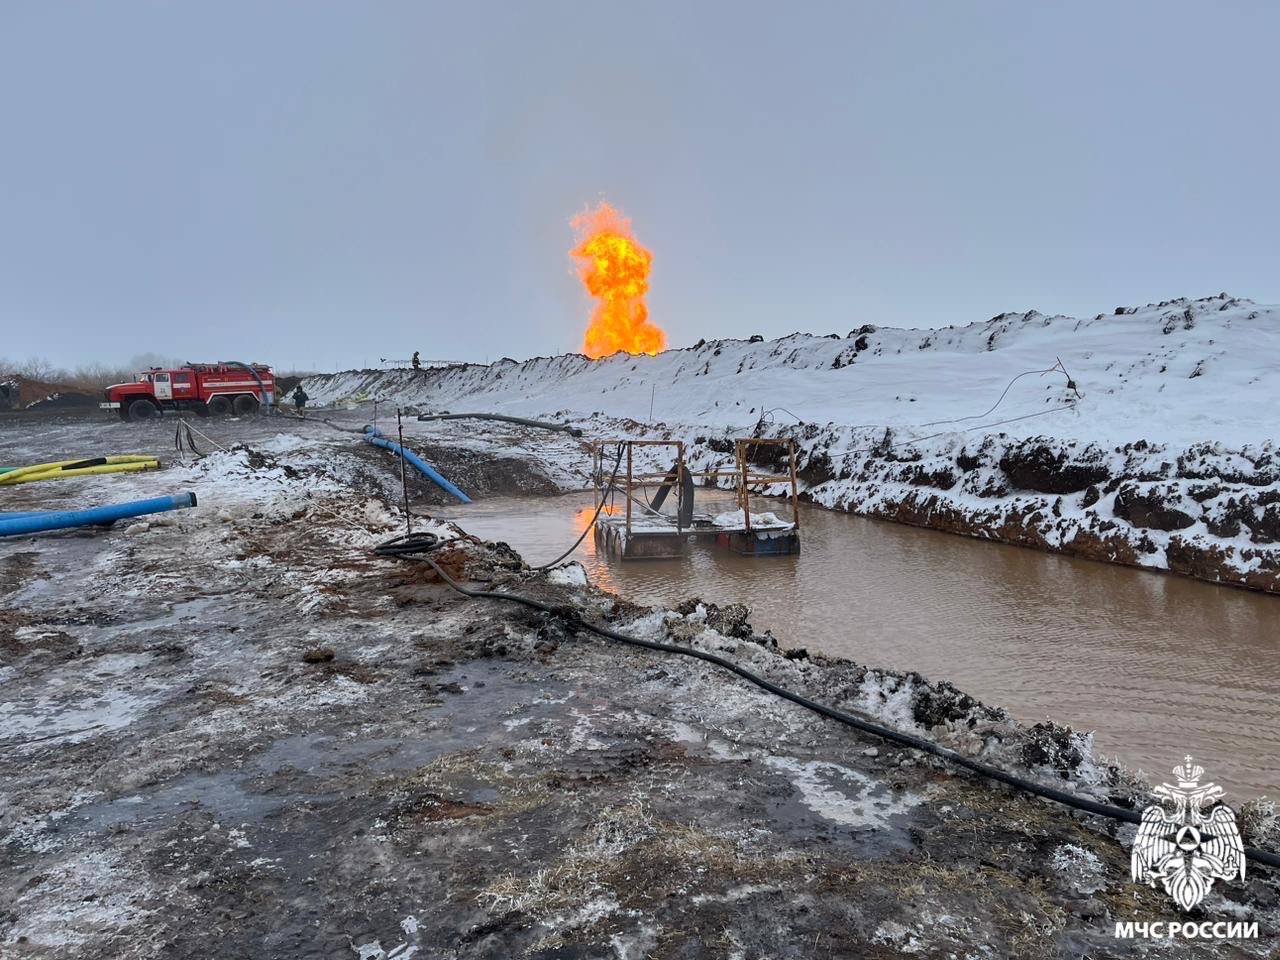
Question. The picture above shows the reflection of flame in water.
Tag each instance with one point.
(582, 519)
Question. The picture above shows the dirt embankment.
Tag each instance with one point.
(1202, 511)
(480, 473)
(283, 745)
(23, 393)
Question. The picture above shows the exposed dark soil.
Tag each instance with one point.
(1114, 505)
(476, 473)
(280, 745)
(19, 393)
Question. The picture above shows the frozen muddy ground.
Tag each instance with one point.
(233, 731)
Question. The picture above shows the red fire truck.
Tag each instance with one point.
(207, 389)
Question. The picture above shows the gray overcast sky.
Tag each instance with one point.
(321, 183)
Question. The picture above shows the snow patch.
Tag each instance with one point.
(842, 795)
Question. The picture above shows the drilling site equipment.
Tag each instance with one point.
(641, 530)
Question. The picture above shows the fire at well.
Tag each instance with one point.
(615, 269)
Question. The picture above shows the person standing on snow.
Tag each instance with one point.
(300, 399)
(417, 361)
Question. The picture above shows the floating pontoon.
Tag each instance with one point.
(631, 526)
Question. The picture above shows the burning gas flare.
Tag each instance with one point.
(615, 269)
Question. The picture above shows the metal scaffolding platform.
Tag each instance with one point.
(640, 528)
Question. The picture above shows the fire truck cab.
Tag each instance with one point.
(207, 389)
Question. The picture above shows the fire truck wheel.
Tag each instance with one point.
(245, 405)
(219, 406)
(142, 410)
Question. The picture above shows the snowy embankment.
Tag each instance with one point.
(1147, 436)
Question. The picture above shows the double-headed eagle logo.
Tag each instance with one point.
(1187, 840)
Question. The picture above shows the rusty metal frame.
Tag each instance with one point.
(634, 479)
(746, 477)
(742, 474)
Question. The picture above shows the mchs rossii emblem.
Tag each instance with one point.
(1187, 840)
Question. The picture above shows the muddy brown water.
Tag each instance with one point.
(1159, 666)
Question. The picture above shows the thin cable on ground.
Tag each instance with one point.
(419, 546)
(893, 444)
(1056, 368)
(996, 423)
(769, 413)
(206, 436)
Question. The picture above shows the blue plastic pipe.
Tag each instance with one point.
(374, 436)
(62, 519)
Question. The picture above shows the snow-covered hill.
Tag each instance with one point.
(1145, 436)
(1180, 371)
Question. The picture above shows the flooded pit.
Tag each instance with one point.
(1158, 665)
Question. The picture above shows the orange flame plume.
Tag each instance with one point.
(615, 269)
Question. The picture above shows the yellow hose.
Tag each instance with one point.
(58, 464)
(37, 468)
(127, 463)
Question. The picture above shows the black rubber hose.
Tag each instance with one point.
(330, 423)
(81, 464)
(267, 395)
(540, 424)
(417, 546)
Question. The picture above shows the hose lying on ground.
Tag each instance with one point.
(418, 546)
(540, 424)
(65, 469)
(374, 436)
(19, 524)
(330, 423)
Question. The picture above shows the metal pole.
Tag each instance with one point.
(795, 496)
(679, 485)
(746, 503)
(628, 488)
(404, 479)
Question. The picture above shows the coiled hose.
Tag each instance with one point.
(419, 546)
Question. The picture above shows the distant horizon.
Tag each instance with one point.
(162, 358)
